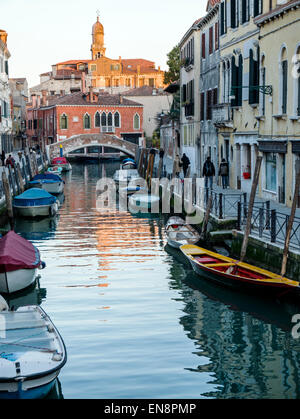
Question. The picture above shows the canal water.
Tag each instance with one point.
(136, 321)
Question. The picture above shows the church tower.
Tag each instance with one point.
(97, 48)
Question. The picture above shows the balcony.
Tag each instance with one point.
(222, 115)
(108, 130)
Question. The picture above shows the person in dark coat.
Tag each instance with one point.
(3, 157)
(10, 161)
(161, 153)
(224, 173)
(185, 162)
(209, 172)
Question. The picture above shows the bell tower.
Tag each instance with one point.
(97, 48)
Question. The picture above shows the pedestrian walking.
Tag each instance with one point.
(10, 161)
(185, 162)
(161, 153)
(3, 157)
(209, 172)
(224, 173)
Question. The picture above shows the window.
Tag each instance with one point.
(97, 120)
(202, 108)
(245, 11)
(103, 120)
(223, 18)
(271, 178)
(254, 79)
(284, 70)
(117, 120)
(110, 120)
(234, 13)
(203, 46)
(87, 121)
(209, 102)
(257, 7)
(64, 121)
(216, 36)
(211, 36)
(151, 82)
(93, 67)
(136, 121)
(298, 93)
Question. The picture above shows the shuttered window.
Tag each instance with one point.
(223, 18)
(284, 85)
(202, 108)
(216, 36)
(298, 108)
(211, 36)
(253, 79)
(233, 7)
(203, 46)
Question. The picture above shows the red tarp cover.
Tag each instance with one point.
(17, 253)
(60, 160)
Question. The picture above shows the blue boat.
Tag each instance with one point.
(129, 164)
(32, 353)
(35, 203)
(50, 182)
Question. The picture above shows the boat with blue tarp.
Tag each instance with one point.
(35, 202)
(50, 182)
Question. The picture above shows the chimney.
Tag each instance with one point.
(44, 97)
(33, 100)
(91, 97)
(62, 93)
(121, 100)
(83, 83)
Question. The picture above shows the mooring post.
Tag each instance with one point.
(206, 218)
(273, 226)
(239, 216)
(8, 197)
(251, 204)
(291, 221)
(12, 182)
(21, 182)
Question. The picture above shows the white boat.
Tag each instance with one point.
(179, 233)
(19, 261)
(32, 353)
(63, 163)
(55, 170)
(143, 202)
(50, 182)
(34, 203)
(125, 176)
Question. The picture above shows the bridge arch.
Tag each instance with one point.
(86, 140)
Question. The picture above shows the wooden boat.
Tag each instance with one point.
(63, 163)
(233, 273)
(19, 261)
(50, 182)
(32, 353)
(35, 202)
(179, 233)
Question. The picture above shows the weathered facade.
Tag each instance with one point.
(5, 96)
(19, 92)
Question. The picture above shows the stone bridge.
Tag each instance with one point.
(86, 140)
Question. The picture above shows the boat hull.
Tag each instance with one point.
(29, 389)
(36, 211)
(239, 285)
(15, 281)
(54, 188)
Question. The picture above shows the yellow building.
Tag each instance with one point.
(114, 75)
(259, 93)
(279, 115)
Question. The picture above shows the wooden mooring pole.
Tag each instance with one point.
(206, 218)
(250, 208)
(8, 198)
(291, 221)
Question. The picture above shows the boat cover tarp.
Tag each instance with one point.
(34, 197)
(47, 176)
(60, 160)
(17, 253)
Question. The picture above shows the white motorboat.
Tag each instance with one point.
(143, 202)
(32, 353)
(19, 261)
(123, 177)
(180, 233)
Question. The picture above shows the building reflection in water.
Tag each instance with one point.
(247, 339)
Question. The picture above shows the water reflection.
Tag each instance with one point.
(32, 296)
(43, 229)
(247, 340)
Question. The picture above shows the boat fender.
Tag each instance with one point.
(42, 265)
(3, 304)
(57, 357)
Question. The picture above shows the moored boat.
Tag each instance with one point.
(50, 182)
(62, 163)
(35, 202)
(128, 164)
(19, 260)
(143, 202)
(179, 233)
(235, 274)
(125, 176)
(32, 353)
(55, 170)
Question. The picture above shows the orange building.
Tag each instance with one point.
(114, 75)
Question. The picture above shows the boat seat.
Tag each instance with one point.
(206, 259)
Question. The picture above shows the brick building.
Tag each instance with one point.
(52, 119)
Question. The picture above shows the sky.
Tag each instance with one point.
(42, 33)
